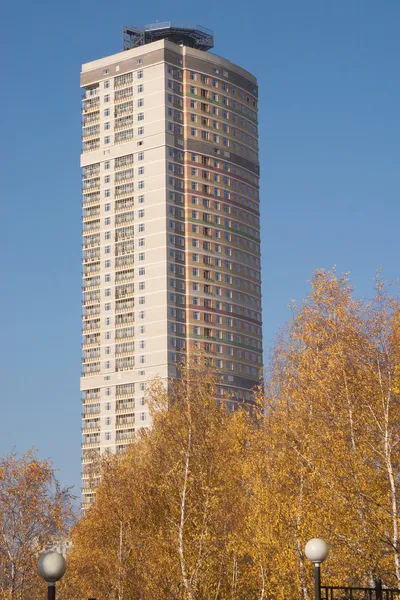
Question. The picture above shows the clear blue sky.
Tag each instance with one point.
(330, 137)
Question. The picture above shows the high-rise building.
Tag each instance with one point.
(171, 226)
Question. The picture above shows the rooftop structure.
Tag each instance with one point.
(183, 34)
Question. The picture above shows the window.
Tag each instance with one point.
(142, 359)
(106, 71)
(141, 171)
(107, 264)
(108, 433)
(140, 89)
(107, 125)
(107, 113)
(141, 213)
(142, 271)
(140, 61)
(140, 74)
(140, 130)
(107, 306)
(107, 98)
(107, 277)
(107, 139)
(141, 255)
(141, 199)
(141, 156)
(140, 116)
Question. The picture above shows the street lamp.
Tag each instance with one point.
(51, 567)
(316, 551)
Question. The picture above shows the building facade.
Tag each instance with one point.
(171, 227)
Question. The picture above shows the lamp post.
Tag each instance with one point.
(51, 567)
(316, 551)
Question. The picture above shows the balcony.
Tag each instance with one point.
(125, 390)
(124, 261)
(125, 422)
(123, 248)
(91, 132)
(125, 435)
(125, 364)
(126, 318)
(91, 356)
(123, 122)
(91, 395)
(124, 408)
(91, 119)
(91, 200)
(123, 80)
(122, 95)
(90, 370)
(92, 300)
(124, 291)
(90, 269)
(92, 241)
(90, 105)
(90, 326)
(89, 345)
(87, 445)
(90, 227)
(123, 205)
(89, 257)
(91, 282)
(91, 409)
(125, 276)
(89, 312)
(94, 186)
(91, 429)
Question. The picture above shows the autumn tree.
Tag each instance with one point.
(34, 509)
(166, 513)
(328, 446)
(211, 505)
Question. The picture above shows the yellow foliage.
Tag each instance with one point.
(212, 505)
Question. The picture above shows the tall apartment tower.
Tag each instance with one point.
(171, 227)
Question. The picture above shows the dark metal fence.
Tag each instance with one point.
(331, 592)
